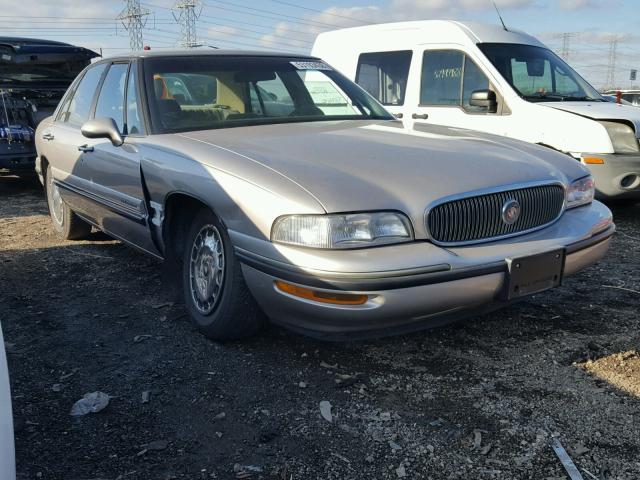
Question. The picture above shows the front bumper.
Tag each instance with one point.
(412, 286)
(618, 178)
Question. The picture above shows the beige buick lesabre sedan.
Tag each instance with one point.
(279, 189)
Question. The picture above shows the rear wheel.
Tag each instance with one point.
(215, 292)
(66, 223)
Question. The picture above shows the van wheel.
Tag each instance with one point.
(215, 292)
(66, 223)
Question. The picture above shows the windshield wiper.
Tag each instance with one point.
(563, 98)
(584, 99)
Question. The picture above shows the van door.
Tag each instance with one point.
(443, 94)
(384, 75)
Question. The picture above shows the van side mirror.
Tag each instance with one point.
(103, 127)
(485, 99)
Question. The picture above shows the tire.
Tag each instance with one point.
(219, 303)
(66, 223)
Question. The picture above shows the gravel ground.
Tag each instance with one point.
(476, 400)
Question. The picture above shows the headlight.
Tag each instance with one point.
(352, 230)
(581, 192)
(622, 137)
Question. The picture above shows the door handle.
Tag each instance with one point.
(48, 136)
(85, 148)
(417, 116)
(398, 115)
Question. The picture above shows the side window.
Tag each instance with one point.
(473, 79)
(134, 124)
(64, 107)
(80, 105)
(441, 77)
(111, 99)
(384, 75)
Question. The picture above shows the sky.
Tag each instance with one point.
(291, 25)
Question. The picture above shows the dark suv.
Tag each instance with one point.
(34, 74)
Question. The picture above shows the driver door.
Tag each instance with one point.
(442, 95)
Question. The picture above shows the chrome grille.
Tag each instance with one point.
(479, 218)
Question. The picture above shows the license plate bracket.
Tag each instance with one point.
(534, 273)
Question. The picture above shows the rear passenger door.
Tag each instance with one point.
(111, 174)
(384, 75)
(442, 93)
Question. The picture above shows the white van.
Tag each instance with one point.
(499, 81)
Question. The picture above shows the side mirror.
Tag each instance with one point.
(103, 127)
(485, 99)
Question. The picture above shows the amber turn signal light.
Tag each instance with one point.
(593, 160)
(323, 297)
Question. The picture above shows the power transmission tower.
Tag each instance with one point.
(133, 17)
(186, 13)
(566, 44)
(611, 68)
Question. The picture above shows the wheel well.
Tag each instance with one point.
(44, 163)
(179, 211)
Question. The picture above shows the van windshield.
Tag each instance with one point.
(537, 74)
(207, 92)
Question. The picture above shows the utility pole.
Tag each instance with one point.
(184, 12)
(133, 17)
(611, 68)
(566, 44)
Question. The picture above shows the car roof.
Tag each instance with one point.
(444, 31)
(203, 52)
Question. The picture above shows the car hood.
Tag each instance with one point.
(370, 165)
(600, 111)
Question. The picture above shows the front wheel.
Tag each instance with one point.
(216, 295)
(65, 222)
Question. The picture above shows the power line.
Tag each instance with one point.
(271, 16)
(256, 32)
(322, 12)
(229, 20)
(133, 17)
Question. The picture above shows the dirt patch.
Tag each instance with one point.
(621, 370)
(479, 399)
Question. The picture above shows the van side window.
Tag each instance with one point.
(449, 77)
(384, 75)
(473, 79)
(441, 78)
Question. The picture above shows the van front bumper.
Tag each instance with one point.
(457, 282)
(618, 178)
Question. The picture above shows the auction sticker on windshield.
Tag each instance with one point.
(311, 66)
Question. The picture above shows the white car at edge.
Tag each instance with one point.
(7, 450)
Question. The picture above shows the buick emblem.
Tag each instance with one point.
(510, 211)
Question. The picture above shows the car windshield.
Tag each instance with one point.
(537, 74)
(207, 92)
